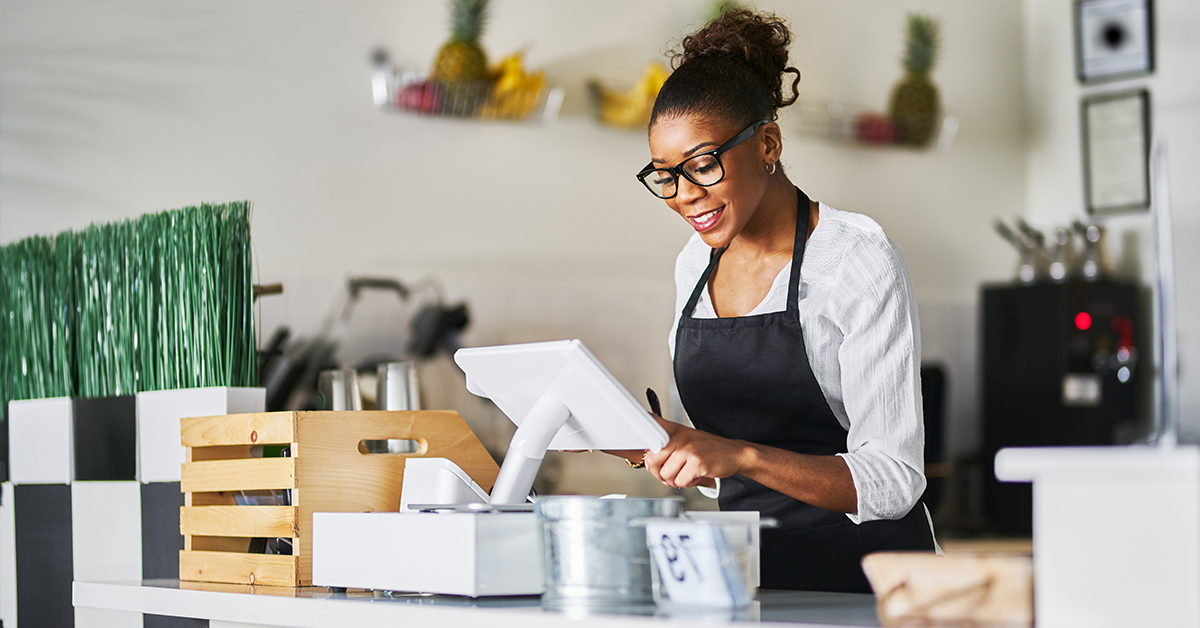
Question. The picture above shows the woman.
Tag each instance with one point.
(796, 344)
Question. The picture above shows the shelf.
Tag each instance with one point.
(856, 125)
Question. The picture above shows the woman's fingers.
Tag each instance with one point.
(670, 468)
(678, 469)
(654, 461)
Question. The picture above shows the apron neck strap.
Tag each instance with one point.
(803, 209)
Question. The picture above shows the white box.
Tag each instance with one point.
(461, 553)
(41, 442)
(160, 454)
(106, 541)
(1116, 534)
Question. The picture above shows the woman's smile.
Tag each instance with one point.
(707, 220)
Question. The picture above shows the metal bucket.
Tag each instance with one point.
(593, 556)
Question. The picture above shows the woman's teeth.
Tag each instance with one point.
(707, 217)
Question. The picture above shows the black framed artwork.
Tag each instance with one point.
(1114, 39)
(1116, 152)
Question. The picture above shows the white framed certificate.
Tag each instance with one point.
(1114, 39)
(1116, 152)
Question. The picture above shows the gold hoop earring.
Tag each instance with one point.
(771, 168)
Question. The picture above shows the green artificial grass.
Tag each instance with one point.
(160, 302)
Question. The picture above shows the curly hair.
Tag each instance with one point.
(732, 69)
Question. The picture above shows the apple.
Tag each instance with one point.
(423, 97)
(874, 128)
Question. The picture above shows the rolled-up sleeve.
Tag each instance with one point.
(879, 358)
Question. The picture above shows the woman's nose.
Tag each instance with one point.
(688, 191)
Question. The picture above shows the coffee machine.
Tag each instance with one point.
(1062, 362)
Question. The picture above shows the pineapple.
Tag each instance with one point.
(915, 104)
(462, 58)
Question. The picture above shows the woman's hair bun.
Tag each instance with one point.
(758, 40)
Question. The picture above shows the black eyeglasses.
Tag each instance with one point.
(704, 169)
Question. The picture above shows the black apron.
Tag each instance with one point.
(748, 378)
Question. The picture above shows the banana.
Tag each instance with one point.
(515, 92)
(631, 108)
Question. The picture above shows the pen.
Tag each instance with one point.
(652, 397)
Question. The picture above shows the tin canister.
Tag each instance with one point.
(594, 557)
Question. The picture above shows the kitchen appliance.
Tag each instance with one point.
(1061, 367)
(562, 398)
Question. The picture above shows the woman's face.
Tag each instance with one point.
(720, 211)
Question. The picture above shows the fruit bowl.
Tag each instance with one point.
(415, 93)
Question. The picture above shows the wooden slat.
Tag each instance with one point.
(209, 499)
(258, 569)
(238, 475)
(216, 543)
(248, 521)
(256, 428)
(220, 452)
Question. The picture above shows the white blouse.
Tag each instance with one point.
(863, 341)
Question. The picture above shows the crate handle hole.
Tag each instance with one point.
(406, 446)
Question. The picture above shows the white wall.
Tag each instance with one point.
(1054, 170)
(109, 110)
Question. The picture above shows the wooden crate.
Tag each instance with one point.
(328, 471)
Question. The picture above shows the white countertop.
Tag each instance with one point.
(318, 607)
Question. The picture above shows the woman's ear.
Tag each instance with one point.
(772, 142)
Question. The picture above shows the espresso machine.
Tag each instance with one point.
(1062, 361)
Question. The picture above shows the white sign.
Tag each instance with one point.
(695, 565)
(1117, 151)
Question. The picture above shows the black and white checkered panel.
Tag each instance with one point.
(74, 508)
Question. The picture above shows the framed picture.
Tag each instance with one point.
(1116, 152)
(1114, 39)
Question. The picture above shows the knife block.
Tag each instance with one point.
(329, 469)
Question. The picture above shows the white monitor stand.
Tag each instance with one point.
(561, 397)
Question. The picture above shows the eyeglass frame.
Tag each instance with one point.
(677, 170)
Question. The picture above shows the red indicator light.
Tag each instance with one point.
(1083, 320)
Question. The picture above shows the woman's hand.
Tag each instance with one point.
(694, 458)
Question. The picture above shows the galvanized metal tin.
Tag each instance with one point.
(594, 557)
